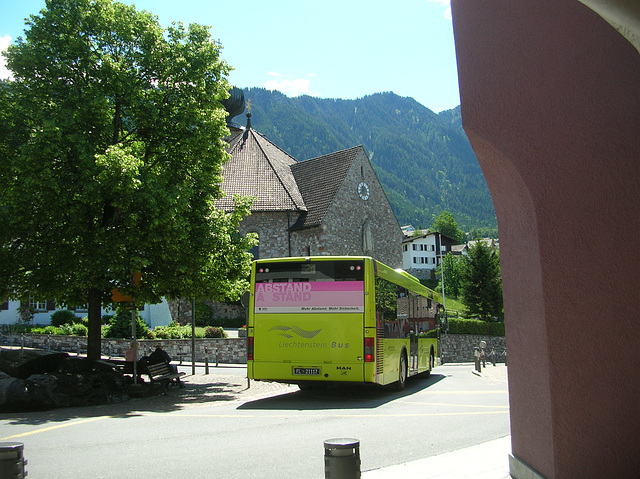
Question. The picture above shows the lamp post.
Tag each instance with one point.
(193, 337)
(444, 304)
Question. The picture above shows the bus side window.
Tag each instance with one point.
(387, 306)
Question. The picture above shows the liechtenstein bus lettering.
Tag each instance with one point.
(330, 319)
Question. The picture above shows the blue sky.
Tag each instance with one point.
(325, 48)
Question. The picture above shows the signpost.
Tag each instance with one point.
(118, 297)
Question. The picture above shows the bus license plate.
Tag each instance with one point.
(306, 371)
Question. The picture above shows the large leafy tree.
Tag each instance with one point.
(111, 155)
(446, 224)
(481, 282)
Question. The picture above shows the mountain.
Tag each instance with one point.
(423, 160)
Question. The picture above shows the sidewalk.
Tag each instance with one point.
(489, 460)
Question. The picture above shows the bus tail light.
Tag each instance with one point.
(250, 348)
(369, 344)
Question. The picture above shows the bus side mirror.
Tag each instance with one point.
(244, 300)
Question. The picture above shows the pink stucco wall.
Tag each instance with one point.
(550, 99)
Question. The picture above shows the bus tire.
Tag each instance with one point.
(402, 372)
(427, 374)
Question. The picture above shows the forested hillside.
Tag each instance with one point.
(423, 159)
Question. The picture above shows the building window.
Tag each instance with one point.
(415, 247)
(367, 238)
(37, 305)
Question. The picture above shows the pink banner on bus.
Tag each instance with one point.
(320, 297)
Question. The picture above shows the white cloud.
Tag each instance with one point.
(446, 4)
(289, 86)
(4, 72)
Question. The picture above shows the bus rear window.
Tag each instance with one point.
(309, 271)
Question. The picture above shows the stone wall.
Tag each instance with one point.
(180, 310)
(422, 273)
(459, 348)
(272, 228)
(226, 350)
(454, 348)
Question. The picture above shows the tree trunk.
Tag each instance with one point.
(94, 336)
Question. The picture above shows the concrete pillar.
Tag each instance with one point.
(550, 96)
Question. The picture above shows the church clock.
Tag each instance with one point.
(363, 190)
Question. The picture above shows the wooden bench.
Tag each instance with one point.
(160, 373)
(126, 367)
(163, 374)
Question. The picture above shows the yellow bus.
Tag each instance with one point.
(332, 319)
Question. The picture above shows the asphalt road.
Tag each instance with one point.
(219, 428)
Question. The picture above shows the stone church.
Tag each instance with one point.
(329, 205)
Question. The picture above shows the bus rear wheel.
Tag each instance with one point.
(402, 373)
(426, 374)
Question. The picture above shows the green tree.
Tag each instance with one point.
(111, 161)
(446, 225)
(482, 282)
(452, 266)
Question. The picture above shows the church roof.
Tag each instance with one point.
(319, 180)
(260, 169)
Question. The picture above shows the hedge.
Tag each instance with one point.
(472, 326)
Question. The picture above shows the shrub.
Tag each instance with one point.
(162, 332)
(470, 326)
(172, 331)
(63, 316)
(214, 332)
(474, 326)
(25, 314)
(79, 329)
(46, 330)
(229, 322)
(65, 329)
(120, 326)
(203, 314)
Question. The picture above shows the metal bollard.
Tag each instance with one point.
(342, 459)
(12, 461)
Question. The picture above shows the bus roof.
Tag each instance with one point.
(398, 276)
(405, 280)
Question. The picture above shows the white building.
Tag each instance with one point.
(421, 255)
(152, 314)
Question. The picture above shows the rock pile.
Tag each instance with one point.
(75, 382)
